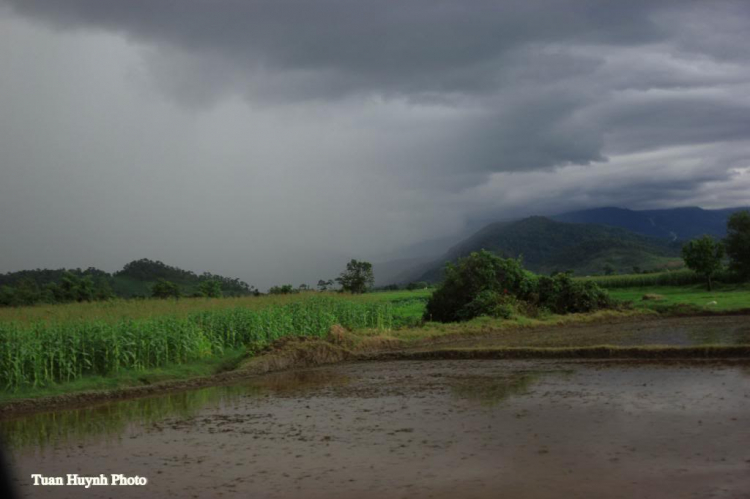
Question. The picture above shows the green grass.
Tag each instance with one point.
(727, 297)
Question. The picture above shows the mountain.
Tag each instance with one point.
(675, 223)
(548, 245)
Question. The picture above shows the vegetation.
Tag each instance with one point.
(136, 279)
(357, 278)
(285, 289)
(687, 298)
(165, 289)
(210, 288)
(485, 284)
(547, 246)
(38, 353)
(738, 243)
(70, 286)
(704, 256)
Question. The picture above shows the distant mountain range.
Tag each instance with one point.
(583, 241)
(676, 223)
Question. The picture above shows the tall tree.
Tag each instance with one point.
(704, 255)
(738, 243)
(357, 278)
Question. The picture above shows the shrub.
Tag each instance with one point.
(563, 295)
(466, 280)
(485, 284)
(491, 304)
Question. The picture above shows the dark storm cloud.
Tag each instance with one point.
(527, 68)
(353, 126)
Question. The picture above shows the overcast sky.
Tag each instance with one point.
(275, 140)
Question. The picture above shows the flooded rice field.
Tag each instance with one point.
(486, 428)
(675, 331)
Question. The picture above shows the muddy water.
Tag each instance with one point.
(517, 429)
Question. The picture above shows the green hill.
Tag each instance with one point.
(547, 246)
(27, 287)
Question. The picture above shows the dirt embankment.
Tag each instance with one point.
(511, 343)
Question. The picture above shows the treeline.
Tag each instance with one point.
(138, 279)
(54, 286)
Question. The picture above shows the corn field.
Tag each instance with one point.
(39, 353)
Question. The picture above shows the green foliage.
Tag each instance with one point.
(485, 284)
(165, 289)
(30, 287)
(489, 303)
(738, 243)
(704, 255)
(480, 272)
(562, 294)
(547, 245)
(148, 271)
(413, 286)
(357, 278)
(285, 289)
(210, 288)
(609, 269)
(43, 352)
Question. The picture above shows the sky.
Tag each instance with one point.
(275, 140)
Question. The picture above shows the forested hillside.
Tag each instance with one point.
(547, 246)
(136, 279)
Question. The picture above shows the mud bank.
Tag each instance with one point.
(487, 428)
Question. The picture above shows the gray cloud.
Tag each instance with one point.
(289, 136)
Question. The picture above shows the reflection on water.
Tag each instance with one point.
(110, 421)
(293, 382)
(490, 391)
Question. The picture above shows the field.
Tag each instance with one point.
(60, 348)
(65, 348)
(727, 297)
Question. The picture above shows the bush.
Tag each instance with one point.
(464, 282)
(490, 304)
(563, 295)
(485, 284)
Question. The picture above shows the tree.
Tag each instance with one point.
(210, 288)
(737, 243)
(703, 256)
(322, 285)
(165, 289)
(285, 289)
(357, 278)
(609, 269)
(479, 284)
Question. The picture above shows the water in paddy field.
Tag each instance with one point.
(489, 428)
